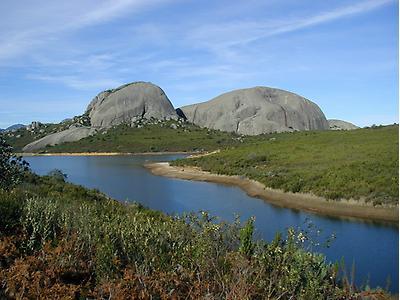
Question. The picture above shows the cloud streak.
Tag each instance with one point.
(222, 36)
(55, 18)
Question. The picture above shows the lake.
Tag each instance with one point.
(373, 247)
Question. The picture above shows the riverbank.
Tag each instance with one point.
(306, 202)
(103, 153)
(55, 240)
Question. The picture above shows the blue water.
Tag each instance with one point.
(373, 247)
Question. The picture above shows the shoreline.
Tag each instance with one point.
(103, 153)
(349, 209)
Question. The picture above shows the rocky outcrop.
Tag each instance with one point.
(33, 126)
(125, 104)
(138, 100)
(257, 110)
(341, 125)
(70, 135)
(248, 111)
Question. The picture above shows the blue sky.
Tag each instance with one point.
(55, 56)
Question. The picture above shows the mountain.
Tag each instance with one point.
(128, 103)
(125, 104)
(13, 127)
(341, 125)
(257, 110)
(249, 111)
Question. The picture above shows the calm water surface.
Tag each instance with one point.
(372, 247)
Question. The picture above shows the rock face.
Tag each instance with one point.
(341, 125)
(130, 102)
(70, 135)
(34, 125)
(257, 110)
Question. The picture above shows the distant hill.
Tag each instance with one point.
(14, 127)
(341, 125)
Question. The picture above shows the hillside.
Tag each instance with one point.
(155, 136)
(361, 164)
(61, 239)
(20, 137)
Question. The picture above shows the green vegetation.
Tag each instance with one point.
(59, 239)
(153, 136)
(358, 164)
(11, 166)
(23, 136)
(159, 137)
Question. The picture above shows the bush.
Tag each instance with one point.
(10, 211)
(57, 175)
(12, 167)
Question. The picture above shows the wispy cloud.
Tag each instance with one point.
(45, 24)
(80, 83)
(221, 37)
(192, 50)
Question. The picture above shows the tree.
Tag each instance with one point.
(12, 167)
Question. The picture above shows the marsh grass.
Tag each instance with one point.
(359, 164)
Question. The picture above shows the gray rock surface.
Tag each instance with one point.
(257, 110)
(69, 135)
(128, 102)
(341, 125)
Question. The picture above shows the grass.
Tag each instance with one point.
(61, 239)
(151, 138)
(360, 164)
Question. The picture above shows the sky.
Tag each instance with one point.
(55, 56)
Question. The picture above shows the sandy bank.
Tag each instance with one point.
(102, 153)
(306, 202)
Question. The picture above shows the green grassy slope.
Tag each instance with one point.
(355, 164)
(151, 138)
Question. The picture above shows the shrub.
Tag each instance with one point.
(12, 167)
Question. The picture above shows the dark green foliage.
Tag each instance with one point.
(360, 164)
(10, 210)
(246, 238)
(12, 167)
(57, 174)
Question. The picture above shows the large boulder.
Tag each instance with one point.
(257, 110)
(341, 125)
(70, 135)
(130, 102)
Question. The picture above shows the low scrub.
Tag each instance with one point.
(62, 239)
(360, 164)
